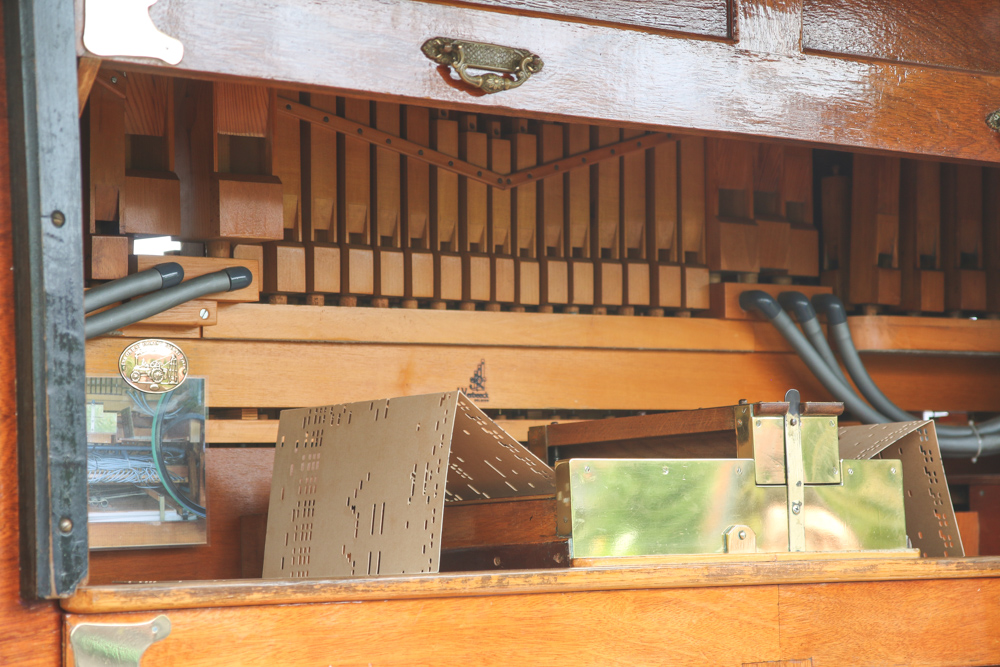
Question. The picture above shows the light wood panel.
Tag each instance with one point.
(620, 627)
(300, 374)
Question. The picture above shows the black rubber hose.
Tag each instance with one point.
(766, 304)
(160, 276)
(227, 280)
(840, 331)
(798, 303)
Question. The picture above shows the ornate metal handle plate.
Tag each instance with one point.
(461, 56)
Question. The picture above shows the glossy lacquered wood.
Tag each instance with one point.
(709, 18)
(760, 86)
(961, 34)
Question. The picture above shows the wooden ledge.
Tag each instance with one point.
(332, 324)
(937, 335)
(240, 593)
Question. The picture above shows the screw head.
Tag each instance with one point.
(850, 471)
(796, 507)
(666, 470)
(742, 534)
(833, 422)
(203, 313)
(757, 422)
(65, 525)
(586, 468)
(58, 218)
(114, 79)
(892, 470)
(496, 561)
(793, 421)
(739, 470)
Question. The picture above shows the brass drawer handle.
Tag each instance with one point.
(462, 56)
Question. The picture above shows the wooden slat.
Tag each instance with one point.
(619, 628)
(179, 595)
(524, 155)
(331, 324)
(713, 86)
(732, 237)
(943, 336)
(874, 237)
(962, 237)
(532, 377)
(920, 237)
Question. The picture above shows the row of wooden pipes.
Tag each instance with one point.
(912, 236)
(313, 187)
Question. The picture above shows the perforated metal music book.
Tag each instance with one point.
(359, 489)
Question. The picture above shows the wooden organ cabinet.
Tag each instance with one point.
(571, 248)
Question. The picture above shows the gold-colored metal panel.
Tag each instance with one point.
(641, 507)
(768, 441)
(865, 512)
(820, 452)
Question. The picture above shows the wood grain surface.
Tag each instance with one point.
(192, 595)
(539, 378)
(700, 17)
(597, 72)
(896, 623)
(30, 632)
(618, 627)
(961, 35)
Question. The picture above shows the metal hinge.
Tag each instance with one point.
(115, 644)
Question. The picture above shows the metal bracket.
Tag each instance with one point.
(740, 539)
(123, 28)
(115, 645)
(794, 472)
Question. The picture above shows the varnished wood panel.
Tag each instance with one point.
(618, 627)
(530, 377)
(700, 17)
(962, 34)
(711, 86)
(760, 571)
(895, 623)
(30, 632)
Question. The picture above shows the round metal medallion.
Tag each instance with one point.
(153, 366)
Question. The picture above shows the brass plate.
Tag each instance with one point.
(627, 507)
(153, 366)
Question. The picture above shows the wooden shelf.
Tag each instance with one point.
(236, 593)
